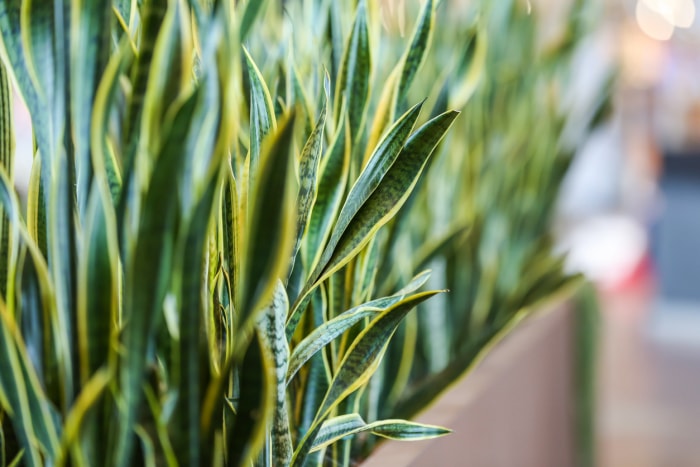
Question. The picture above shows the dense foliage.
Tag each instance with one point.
(233, 206)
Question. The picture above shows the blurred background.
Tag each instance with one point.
(629, 217)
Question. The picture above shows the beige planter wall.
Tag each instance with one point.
(515, 410)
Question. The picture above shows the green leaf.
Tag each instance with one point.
(256, 405)
(262, 113)
(328, 331)
(104, 163)
(33, 417)
(252, 10)
(343, 426)
(98, 293)
(89, 53)
(22, 66)
(193, 365)
(354, 74)
(360, 362)
(271, 328)
(390, 195)
(270, 231)
(403, 430)
(232, 229)
(7, 150)
(152, 14)
(337, 428)
(365, 353)
(369, 180)
(147, 274)
(371, 177)
(417, 51)
(308, 170)
(331, 188)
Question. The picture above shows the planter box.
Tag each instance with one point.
(515, 409)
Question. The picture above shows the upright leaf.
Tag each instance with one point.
(270, 232)
(89, 53)
(354, 74)
(262, 113)
(308, 170)
(7, 143)
(271, 327)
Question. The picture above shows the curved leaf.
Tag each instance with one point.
(360, 362)
(390, 195)
(370, 179)
(343, 426)
(328, 331)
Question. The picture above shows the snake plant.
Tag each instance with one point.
(233, 209)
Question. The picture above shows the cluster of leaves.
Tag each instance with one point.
(230, 215)
(486, 233)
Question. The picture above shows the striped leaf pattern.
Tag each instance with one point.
(231, 213)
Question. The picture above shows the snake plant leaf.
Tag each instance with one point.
(396, 86)
(35, 422)
(403, 430)
(28, 35)
(192, 344)
(152, 14)
(337, 428)
(167, 81)
(360, 362)
(366, 351)
(390, 195)
(328, 331)
(146, 274)
(63, 254)
(256, 405)
(372, 175)
(86, 402)
(104, 163)
(417, 50)
(343, 426)
(315, 383)
(32, 416)
(89, 54)
(29, 274)
(308, 170)
(232, 228)
(7, 150)
(297, 95)
(271, 328)
(262, 113)
(331, 188)
(252, 9)
(473, 71)
(36, 208)
(354, 74)
(98, 294)
(364, 200)
(271, 229)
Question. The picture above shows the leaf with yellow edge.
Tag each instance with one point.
(359, 363)
(343, 426)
